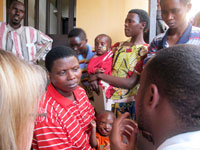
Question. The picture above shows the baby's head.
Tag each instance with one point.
(102, 44)
(105, 121)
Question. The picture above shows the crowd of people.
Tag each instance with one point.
(151, 89)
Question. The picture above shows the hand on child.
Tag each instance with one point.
(100, 70)
(92, 77)
(123, 127)
(95, 87)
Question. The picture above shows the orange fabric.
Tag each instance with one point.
(103, 142)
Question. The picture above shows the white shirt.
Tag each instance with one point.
(25, 42)
(185, 141)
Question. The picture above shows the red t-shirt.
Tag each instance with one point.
(66, 125)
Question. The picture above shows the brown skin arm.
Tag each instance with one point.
(125, 83)
(93, 139)
(123, 127)
(95, 86)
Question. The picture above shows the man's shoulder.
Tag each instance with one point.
(157, 41)
(90, 49)
(194, 37)
(159, 37)
(91, 52)
(29, 27)
(183, 141)
(195, 31)
(2, 23)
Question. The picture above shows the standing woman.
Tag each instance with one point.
(21, 87)
(126, 55)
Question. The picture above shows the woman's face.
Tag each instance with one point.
(174, 12)
(65, 74)
(132, 25)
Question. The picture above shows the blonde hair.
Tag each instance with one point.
(197, 20)
(21, 87)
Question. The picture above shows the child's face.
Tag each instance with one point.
(104, 123)
(77, 44)
(174, 13)
(102, 45)
(65, 74)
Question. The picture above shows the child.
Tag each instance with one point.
(69, 112)
(100, 139)
(78, 42)
(102, 61)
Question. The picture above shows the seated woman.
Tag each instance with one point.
(69, 112)
(21, 87)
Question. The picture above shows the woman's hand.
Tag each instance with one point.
(95, 87)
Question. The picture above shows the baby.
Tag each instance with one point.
(102, 61)
(100, 139)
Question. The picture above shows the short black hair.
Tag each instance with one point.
(183, 1)
(77, 32)
(176, 73)
(15, 2)
(105, 35)
(143, 15)
(57, 53)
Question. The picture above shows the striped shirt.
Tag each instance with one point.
(66, 125)
(25, 42)
(190, 36)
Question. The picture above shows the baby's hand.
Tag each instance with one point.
(100, 70)
(93, 124)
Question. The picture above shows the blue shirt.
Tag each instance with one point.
(190, 36)
(84, 63)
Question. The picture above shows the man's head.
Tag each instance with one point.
(174, 12)
(168, 99)
(102, 44)
(136, 22)
(78, 40)
(16, 13)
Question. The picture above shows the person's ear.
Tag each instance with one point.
(153, 96)
(143, 25)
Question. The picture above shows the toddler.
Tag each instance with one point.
(101, 130)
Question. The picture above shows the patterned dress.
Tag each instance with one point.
(124, 62)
